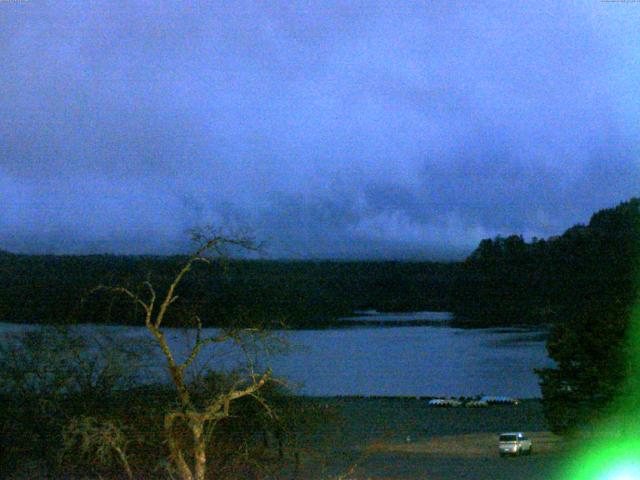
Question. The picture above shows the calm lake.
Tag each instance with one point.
(417, 354)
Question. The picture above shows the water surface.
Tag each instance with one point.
(424, 360)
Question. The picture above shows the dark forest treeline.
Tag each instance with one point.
(504, 281)
(47, 288)
(508, 280)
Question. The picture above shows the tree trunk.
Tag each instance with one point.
(125, 462)
(199, 449)
(176, 452)
(183, 468)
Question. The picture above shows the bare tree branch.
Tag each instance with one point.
(125, 291)
(199, 345)
(152, 293)
(197, 420)
(234, 393)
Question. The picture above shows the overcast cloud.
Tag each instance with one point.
(333, 129)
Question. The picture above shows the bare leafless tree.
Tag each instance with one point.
(191, 461)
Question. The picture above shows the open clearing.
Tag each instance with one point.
(471, 445)
(399, 438)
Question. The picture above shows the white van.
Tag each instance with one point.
(514, 443)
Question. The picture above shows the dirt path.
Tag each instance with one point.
(471, 445)
(370, 442)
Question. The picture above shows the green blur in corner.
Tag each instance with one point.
(612, 459)
(613, 452)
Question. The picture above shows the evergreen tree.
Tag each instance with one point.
(598, 268)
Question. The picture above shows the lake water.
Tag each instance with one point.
(433, 359)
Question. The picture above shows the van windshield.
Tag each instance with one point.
(508, 438)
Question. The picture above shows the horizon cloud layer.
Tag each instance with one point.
(333, 130)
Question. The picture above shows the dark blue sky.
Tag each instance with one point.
(333, 129)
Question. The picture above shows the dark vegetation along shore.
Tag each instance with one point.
(316, 439)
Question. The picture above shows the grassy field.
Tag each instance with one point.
(407, 439)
